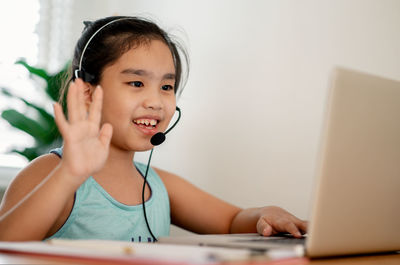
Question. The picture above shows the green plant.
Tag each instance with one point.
(42, 128)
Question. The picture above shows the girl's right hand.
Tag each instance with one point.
(86, 146)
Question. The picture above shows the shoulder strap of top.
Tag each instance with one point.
(57, 151)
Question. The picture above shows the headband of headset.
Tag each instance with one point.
(80, 73)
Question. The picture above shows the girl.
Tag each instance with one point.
(127, 73)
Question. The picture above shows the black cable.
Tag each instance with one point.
(176, 122)
(144, 207)
(147, 170)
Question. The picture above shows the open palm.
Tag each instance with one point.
(86, 145)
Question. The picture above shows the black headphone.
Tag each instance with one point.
(155, 140)
(80, 73)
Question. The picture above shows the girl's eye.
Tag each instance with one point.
(136, 83)
(167, 87)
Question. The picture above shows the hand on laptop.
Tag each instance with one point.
(274, 220)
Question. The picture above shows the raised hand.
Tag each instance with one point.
(86, 145)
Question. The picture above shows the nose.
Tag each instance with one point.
(153, 99)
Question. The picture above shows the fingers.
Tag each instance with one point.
(82, 111)
(105, 134)
(292, 225)
(303, 225)
(95, 107)
(263, 228)
(292, 229)
(266, 229)
(72, 102)
(77, 109)
(76, 101)
(60, 119)
(276, 220)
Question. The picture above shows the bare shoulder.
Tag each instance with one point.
(28, 178)
(177, 187)
(36, 170)
(166, 176)
(180, 189)
(172, 181)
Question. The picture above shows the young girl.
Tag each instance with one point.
(127, 73)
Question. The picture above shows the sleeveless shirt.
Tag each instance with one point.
(97, 215)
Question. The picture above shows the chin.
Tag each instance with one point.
(134, 145)
(143, 147)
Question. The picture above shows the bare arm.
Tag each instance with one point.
(39, 195)
(34, 200)
(200, 212)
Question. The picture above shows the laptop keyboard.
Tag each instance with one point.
(280, 240)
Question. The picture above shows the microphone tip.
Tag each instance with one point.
(157, 139)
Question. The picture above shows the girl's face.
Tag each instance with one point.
(139, 98)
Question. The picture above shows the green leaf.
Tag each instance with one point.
(42, 128)
(6, 92)
(33, 70)
(31, 127)
(32, 152)
(45, 119)
(29, 153)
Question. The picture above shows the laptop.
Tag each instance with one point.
(356, 206)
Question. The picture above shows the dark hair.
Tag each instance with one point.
(106, 45)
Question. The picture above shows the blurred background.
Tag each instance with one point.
(255, 99)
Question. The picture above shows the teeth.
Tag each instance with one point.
(146, 122)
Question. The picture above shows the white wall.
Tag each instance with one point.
(254, 102)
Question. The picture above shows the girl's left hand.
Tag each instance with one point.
(274, 220)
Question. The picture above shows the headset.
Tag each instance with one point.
(80, 73)
(155, 140)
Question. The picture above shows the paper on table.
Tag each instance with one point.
(117, 250)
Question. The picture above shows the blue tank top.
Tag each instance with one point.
(97, 215)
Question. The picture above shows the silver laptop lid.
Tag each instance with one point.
(357, 201)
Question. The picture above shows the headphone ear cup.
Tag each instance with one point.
(80, 73)
(85, 76)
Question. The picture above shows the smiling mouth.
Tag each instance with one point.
(146, 123)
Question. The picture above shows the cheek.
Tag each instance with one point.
(171, 118)
(171, 109)
(171, 114)
(115, 110)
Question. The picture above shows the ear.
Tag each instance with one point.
(88, 93)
